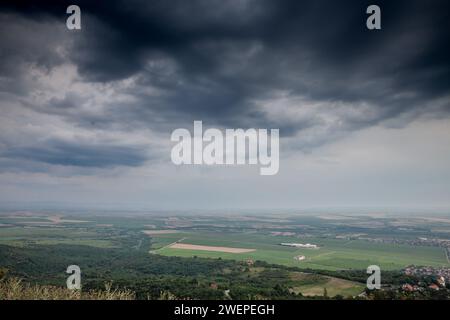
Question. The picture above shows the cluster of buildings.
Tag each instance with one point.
(441, 277)
(438, 272)
(420, 241)
(412, 288)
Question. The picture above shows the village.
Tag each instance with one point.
(432, 278)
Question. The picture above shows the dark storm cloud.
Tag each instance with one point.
(64, 153)
(212, 59)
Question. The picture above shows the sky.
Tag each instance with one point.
(364, 115)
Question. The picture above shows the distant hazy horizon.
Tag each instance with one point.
(313, 211)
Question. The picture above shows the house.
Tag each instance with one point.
(407, 287)
(250, 262)
(434, 286)
(214, 286)
(441, 281)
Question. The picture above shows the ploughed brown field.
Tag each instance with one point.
(188, 246)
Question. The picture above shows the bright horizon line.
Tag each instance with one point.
(338, 209)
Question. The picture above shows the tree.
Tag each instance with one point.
(3, 272)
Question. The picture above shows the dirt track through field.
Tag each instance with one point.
(188, 246)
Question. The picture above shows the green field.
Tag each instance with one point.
(333, 254)
(313, 285)
(20, 236)
(333, 286)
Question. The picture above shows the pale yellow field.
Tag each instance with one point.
(188, 246)
(155, 232)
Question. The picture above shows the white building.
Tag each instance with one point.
(300, 245)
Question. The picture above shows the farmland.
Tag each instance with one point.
(201, 256)
(344, 242)
(332, 254)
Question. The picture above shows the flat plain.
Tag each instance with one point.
(345, 242)
(333, 254)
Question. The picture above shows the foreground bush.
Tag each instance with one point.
(15, 289)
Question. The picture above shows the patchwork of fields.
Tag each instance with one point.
(333, 254)
(340, 238)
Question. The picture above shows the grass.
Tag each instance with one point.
(333, 286)
(15, 289)
(82, 242)
(41, 232)
(19, 237)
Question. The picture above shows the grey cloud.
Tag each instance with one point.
(89, 155)
(211, 60)
(139, 69)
